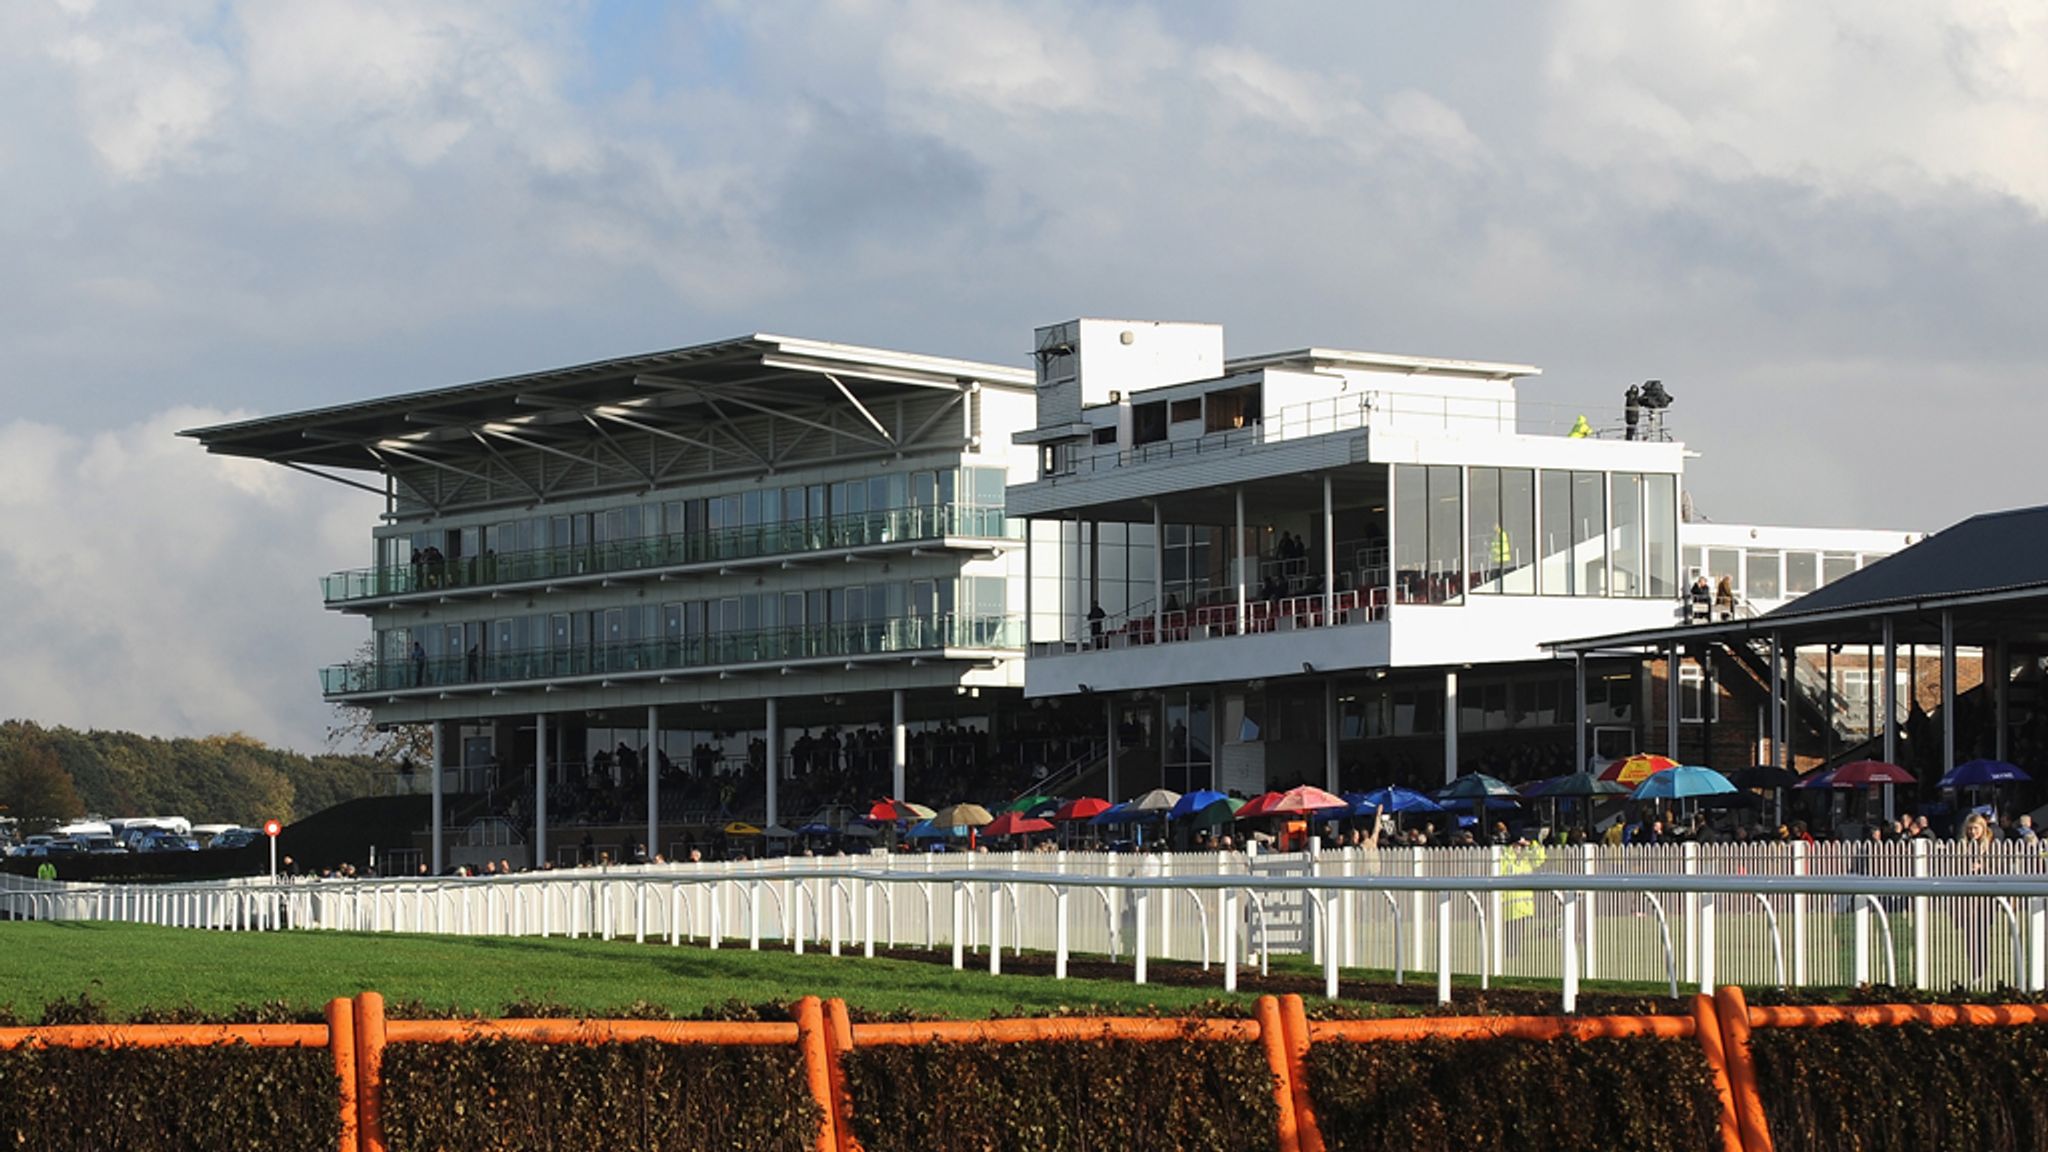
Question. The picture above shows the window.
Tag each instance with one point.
(1502, 547)
(1625, 542)
(1105, 435)
(1148, 422)
(1835, 565)
(1186, 410)
(1429, 533)
(1698, 699)
(1660, 535)
(1764, 582)
(1802, 573)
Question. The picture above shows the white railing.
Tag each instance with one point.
(1919, 913)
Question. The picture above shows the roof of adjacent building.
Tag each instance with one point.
(1988, 574)
(1990, 552)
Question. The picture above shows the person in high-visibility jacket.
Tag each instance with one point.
(1517, 908)
(1580, 429)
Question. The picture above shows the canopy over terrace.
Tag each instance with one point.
(755, 404)
(1979, 583)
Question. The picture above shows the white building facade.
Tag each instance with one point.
(1342, 567)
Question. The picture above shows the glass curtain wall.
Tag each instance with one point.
(1502, 547)
(1429, 534)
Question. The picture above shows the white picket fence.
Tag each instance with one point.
(1919, 913)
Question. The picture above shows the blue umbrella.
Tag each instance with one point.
(1193, 802)
(925, 830)
(1983, 774)
(1114, 814)
(1393, 799)
(1682, 784)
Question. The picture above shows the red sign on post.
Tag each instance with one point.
(271, 828)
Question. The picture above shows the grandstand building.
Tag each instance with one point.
(642, 600)
(763, 551)
(1344, 567)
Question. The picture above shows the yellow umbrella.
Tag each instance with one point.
(741, 828)
(1635, 769)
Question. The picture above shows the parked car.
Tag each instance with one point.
(166, 842)
(235, 838)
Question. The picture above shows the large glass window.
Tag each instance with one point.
(1835, 565)
(1555, 494)
(1625, 540)
(1429, 533)
(1660, 535)
(1589, 534)
(1502, 547)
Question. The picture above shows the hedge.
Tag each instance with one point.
(1196, 1095)
(1911, 1087)
(1518, 1095)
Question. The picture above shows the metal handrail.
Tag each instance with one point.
(902, 525)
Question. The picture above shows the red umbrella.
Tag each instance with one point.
(1081, 808)
(1307, 798)
(1258, 806)
(890, 810)
(1868, 773)
(1013, 824)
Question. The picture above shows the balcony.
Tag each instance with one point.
(895, 528)
(650, 658)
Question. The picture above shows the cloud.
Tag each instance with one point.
(1837, 96)
(152, 587)
(1816, 222)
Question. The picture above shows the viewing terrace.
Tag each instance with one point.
(601, 664)
(955, 526)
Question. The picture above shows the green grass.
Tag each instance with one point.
(129, 967)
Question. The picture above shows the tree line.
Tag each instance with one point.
(49, 775)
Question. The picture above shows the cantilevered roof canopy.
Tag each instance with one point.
(678, 390)
(1988, 573)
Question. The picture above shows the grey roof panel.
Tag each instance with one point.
(1990, 552)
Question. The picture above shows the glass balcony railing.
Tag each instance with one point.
(897, 525)
(871, 638)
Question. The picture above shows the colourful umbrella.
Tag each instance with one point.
(1193, 802)
(1392, 800)
(1983, 774)
(1221, 812)
(1477, 786)
(1157, 800)
(1633, 770)
(1082, 808)
(1868, 773)
(1307, 798)
(1579, 784)
(1258, 806)
(1682, 783)
(889, 811)
(1033, 805)
(962, 815)
(1013, 824)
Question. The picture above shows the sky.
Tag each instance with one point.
(1818, 223)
